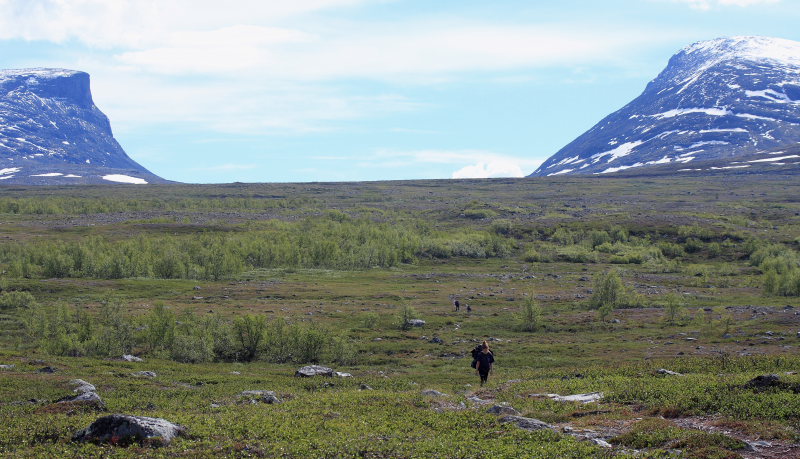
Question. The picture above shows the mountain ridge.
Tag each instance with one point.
(51, 132)
(715, 99)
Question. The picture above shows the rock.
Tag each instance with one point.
(313, 370)
(437, 340)
(477, 400)
(144, 374)
(493, 339)
(364, 387)
(415, 323)
(120, 429)
(616, 321)
(690, 339)
(764, 382)
(526, 423)
(770, 333)
(340, 374)
(89, 399)
(262, 396)
(47, 370)
(582, 398)
(600, 442)
(82, 386)
(6, 367)
(433, 393)
(235, 373)
(664, 371)
(131, 358)
(503, 410)
(196, 287)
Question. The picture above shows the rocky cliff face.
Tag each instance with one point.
(718, 99)
(52, 133)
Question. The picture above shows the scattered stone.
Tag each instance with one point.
(197, 298)
(433, 393)
(365, 387)
(690, 339)
(215, 405)
(381, 339)
(415, 323)
(477, 400)
(616, 321)
(340, 374)
(493, 339)
(235, 373)
(503, 410)
(89, 399)
(47, 370)
(313, 370)
(131, 358)
(196, 287)
(664, 371)
(120, 429)
(261, 396)
(6, 367)
(764, 382)
(82, 386)
(582, 398)
(526, 423)
(769, 333)
(600, 442)
(144, 374)
(437, 340)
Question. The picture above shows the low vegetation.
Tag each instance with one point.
(579, 285)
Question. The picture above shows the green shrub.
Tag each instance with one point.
(534, 256)
(576, 254)
(16, 299)
(531, 315)
(610, 291)
(404, 317)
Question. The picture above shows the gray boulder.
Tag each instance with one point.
(6, 367)
(340, 374)
(433, 393)
(260, 396)
(144, 374)
(415, 323)
(526, 423)
(364, 386)
(82, 387)
(309, 371)
(120, 429)
(503, 410)
(664, 371)
(88, 399)
(131, 358)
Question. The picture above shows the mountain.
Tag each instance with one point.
(51, 133)
(715, 100)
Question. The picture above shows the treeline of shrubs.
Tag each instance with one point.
(73, 331)
(53, 205)
(616, 245)
(330, 242)
(781, 267)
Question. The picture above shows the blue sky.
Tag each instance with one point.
(338, 90)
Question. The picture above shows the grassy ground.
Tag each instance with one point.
(725, 331)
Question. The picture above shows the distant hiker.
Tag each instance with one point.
(483, 362)
(469, 308)
(457, 305)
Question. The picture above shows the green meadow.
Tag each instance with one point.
(580, 285)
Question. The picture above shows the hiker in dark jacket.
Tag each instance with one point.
(484, 361)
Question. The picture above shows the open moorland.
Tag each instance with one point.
(657, 301)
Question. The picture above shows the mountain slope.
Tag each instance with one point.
(52, 133)
(715, 99)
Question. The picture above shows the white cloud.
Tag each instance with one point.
(470, 163)
(709, 4)
(250, 66)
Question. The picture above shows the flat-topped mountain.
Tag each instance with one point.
(52, 133)
(718, 99)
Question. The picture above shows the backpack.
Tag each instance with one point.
(475, 353)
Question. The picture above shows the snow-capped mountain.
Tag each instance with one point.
(716, 99)
(52, 133)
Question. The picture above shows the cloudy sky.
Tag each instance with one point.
(330, 90)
